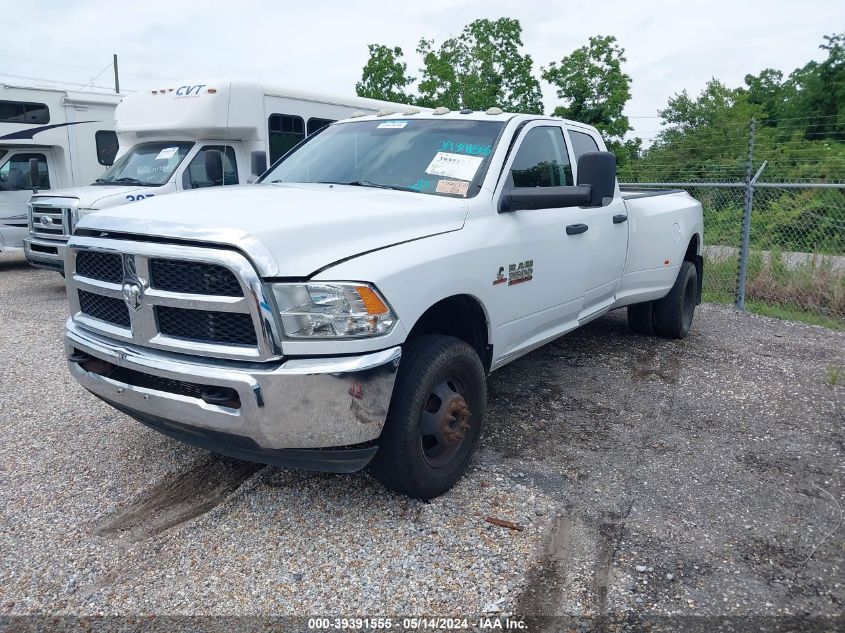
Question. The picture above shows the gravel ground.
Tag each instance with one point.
(654, 480)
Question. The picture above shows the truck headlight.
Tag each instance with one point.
(332, 310)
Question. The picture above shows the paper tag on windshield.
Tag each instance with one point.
(457, 187)
(393, 124)
(458, 166)
(167, 153)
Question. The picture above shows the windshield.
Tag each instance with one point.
(438, 157)
(3, 152)
(147, 164)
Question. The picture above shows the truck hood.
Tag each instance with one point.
(288, 230)
(93, 196)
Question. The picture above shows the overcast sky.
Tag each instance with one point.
(322, 45)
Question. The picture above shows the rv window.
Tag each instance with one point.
(285, 132)
(23, 112)
(315, 125)
(106, 141)
(14, 173)
(195, 176)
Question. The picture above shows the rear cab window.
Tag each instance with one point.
(582, 143)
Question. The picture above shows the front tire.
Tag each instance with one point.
(435, 417)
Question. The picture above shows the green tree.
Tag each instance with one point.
(483, 67)
(817, 91)
(767, 91)
(593, 87)
(385, 76)
(704, 137)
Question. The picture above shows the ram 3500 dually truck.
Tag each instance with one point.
(346, 310)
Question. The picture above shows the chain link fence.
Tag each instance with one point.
(771, 246)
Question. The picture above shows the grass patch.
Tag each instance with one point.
(793, 314)
(809, 291)
(834, 375)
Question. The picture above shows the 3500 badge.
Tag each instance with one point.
(517, 273)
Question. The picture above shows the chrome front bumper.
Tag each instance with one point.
(43, 253)
(309, 403)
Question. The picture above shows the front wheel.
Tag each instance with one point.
(435, 417)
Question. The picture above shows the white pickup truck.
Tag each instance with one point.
(346, 310)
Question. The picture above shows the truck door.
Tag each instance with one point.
(608, 233)
(544, 269)
(196, 175)
(16, 190)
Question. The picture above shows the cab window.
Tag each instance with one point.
(14, 173)
(542, 160)
(196, 177)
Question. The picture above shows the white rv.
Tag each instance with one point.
(188, 136)
(70, 135)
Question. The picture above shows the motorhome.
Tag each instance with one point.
(68, 134)
(190, 135)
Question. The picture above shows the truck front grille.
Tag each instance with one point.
(106, 309)
(210, 327)
(50, 222)
(185, 299)
(193, 277)
(101, 266)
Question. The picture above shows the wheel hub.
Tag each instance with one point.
(444, 423)
(456, 420)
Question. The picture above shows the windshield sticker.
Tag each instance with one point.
(457, 187)
(421, 184)
(392, 124)
(465, 148)
(457, 166)
(167, 153)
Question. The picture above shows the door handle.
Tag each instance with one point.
(620, 218)
(575, 229)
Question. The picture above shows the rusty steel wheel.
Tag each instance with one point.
(445, 422)
(435, 417)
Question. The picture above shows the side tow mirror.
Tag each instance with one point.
(598, 170)
(214, 166)
(34, 176)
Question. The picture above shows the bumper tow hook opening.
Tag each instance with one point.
(90, 364)
(221, 397)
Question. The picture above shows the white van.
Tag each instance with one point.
(189, 136)
(70, 135)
